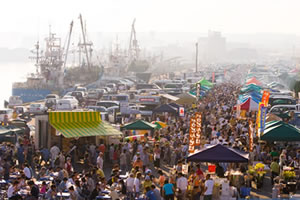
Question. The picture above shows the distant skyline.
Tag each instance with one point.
(228, 16)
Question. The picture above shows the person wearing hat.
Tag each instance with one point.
(147, 182)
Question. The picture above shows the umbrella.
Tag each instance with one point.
(159, 124)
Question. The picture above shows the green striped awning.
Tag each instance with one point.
(81, 124)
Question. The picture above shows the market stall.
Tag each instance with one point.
(280, 131)
(221, 154)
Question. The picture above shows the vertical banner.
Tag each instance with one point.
(213, 77)
(258, 117)
(265, 98)
(263, 116)
(250, 136)
(198, 117)
(238, 111)
(192, 137)
(198, 89)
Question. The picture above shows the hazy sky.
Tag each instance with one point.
(228, 16)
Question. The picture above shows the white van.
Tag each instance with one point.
(67, 104)
(6, 114)
(279, 109)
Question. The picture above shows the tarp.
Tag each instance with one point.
(219, 153)
(170, 97)
(165, 108)
(175, 105)
(249, 105)
(254, 94)
(271, 117)
(205, 83)
(280, 131)
(250, 88)
(186, 98)
(253, 80)
(244, 97)
(81, 124)
(139, 125)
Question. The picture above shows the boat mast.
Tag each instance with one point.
(37, 47)
(68, 44)
(84, 41)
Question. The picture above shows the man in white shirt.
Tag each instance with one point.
(54, 153)
(182, 184)
(12, 190)
(137, 184)
(130, 183)
(100, 161)
(208, 190)
(27, 171)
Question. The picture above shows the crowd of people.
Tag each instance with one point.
(153, 168)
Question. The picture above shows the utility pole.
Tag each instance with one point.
(196, 57)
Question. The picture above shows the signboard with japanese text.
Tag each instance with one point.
(250, 135)
(263, 116)
(192, 136)
(198, 118)
(258, 116)
(265, 98)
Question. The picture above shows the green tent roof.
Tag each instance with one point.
(251, 87)
(280, 131)
(139, 125)
(206, 83)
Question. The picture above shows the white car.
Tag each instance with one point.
(69, 97)
(37, 108)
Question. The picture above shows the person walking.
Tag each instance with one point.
(168, 191)
(275, 170)
(208, 189)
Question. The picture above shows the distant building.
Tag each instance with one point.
(212, 48)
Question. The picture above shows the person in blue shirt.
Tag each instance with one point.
(45, 154)
(150, 194)
(168, 190)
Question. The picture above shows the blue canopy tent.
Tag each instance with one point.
(219, 153)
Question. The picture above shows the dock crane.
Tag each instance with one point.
(133, 49)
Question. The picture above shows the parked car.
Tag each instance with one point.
(21, 109)
(79, 95)
(81, 89)
(6, 114)
(51, 103)
(108, 104)
(52, 96)
(67, 104)
(69, 97)
(37, 108)
(112, 86)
